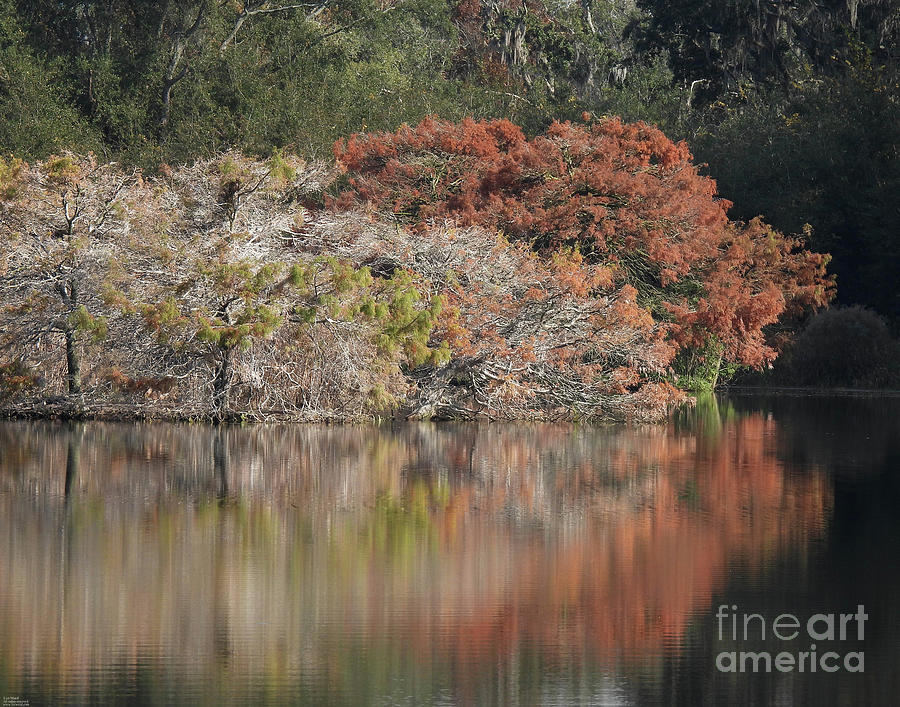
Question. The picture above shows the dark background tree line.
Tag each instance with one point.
(793, 106)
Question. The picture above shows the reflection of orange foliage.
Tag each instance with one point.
(454, 547)
(661, 517)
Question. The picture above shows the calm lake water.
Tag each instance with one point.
(453, 564)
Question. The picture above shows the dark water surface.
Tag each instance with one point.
(452, 564)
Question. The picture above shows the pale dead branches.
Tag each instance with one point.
(60, 236)
(529, 339)
(212, 291)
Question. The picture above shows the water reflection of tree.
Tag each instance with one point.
(851, 436)
(74, 434)
(285, 553)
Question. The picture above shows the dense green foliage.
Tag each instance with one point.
(166, 81)
(724, 44)
(827, 155)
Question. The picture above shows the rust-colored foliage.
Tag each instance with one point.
(628, 197)
(149, 387)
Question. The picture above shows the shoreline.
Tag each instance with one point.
(803, 391)
(66, 410)
(71, 412)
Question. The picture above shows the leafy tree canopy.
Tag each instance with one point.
(624, 195)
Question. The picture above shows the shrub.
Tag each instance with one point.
(846, 346)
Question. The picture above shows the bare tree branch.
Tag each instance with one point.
(180, 38)
(249, 10)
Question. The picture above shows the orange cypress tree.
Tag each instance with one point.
(624, 194)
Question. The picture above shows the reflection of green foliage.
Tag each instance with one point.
(689, 494)
(706, 416)
(399, 527)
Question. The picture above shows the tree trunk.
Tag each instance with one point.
(222, 386)
(171, 78)
(72, 457)
(220, 464)
(180, 39)
(73, 363)
(715, 375)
